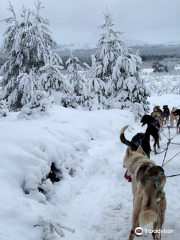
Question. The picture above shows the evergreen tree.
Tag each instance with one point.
(3, 108)
(110, 48)
(159, 67)
(27, 86)
(77, 80)
(28, 45)
(127, 86)
(39, 105)
(95, 89)
(51, 76)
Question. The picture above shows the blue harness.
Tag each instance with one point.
(167, 111)
(155, 123)
(138, 140)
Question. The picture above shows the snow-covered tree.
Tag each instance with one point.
(159, 67)
(51, 76)
(75, 76)
(40, 103)
(127, 88)
(110, 48)
(26, 87)
(28, 43)
(3, 108)
(95, 89)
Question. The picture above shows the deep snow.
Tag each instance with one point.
(92, 198)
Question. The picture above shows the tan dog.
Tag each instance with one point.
(157, 109)
(149, 202)
(173, 117)
(157, 115)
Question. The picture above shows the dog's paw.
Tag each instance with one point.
(131, 236)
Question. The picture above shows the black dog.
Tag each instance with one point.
(175, 113)
(153, 128)
(139, 139)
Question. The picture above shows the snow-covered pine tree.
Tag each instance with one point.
(27, 86)
(95, 89)
(3, 108)
(52, 80)
(39, 105)
(127, 86)
(27, 43)
(110, 48)
(76, 78)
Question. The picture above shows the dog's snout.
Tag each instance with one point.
(123, 166)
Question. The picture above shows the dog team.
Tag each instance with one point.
(148, 179)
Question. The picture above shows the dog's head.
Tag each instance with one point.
(173, 109)
(146, 119)
(156, 108)
(130, 157)
(165, 106)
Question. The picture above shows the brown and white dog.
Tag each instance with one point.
(173, 117)
(149, 202)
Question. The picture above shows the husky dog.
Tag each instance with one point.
(153, 129)
(176, 113)
(157, 109)
(149, 202)
(138, 139)
(165, 114)
(158, 116)
(173, 117)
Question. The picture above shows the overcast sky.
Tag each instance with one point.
(77, 21)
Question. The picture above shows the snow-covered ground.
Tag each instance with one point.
(92, 198)
(147, 70)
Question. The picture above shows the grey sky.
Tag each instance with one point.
(77, 21)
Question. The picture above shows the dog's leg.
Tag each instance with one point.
(177, 128)
(161, 214)
(154, 228)
(135, 215)
(155, 147)
(156, 142)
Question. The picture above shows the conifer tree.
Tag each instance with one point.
(110, 48)
(95, 89)
(3, 108)
(77, 80)
(28, 43)
(127, 86)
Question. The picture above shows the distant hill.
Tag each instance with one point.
(143, 48)
(157, 49)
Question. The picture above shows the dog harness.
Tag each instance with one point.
(166, 110)
(155, 123)
(137, 140)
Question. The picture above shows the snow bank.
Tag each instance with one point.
(92, 196)
(79, 144)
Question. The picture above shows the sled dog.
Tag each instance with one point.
(153, 129)
(138, 139)
(176, 113)
(173, 117)
(149, 202)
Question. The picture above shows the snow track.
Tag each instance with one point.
(93, 198)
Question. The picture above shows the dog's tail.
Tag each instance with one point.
(122, 137)
(148, 216)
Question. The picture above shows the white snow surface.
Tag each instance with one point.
(94, 200)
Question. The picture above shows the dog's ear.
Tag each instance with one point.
(140, 150)
(128, 152)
